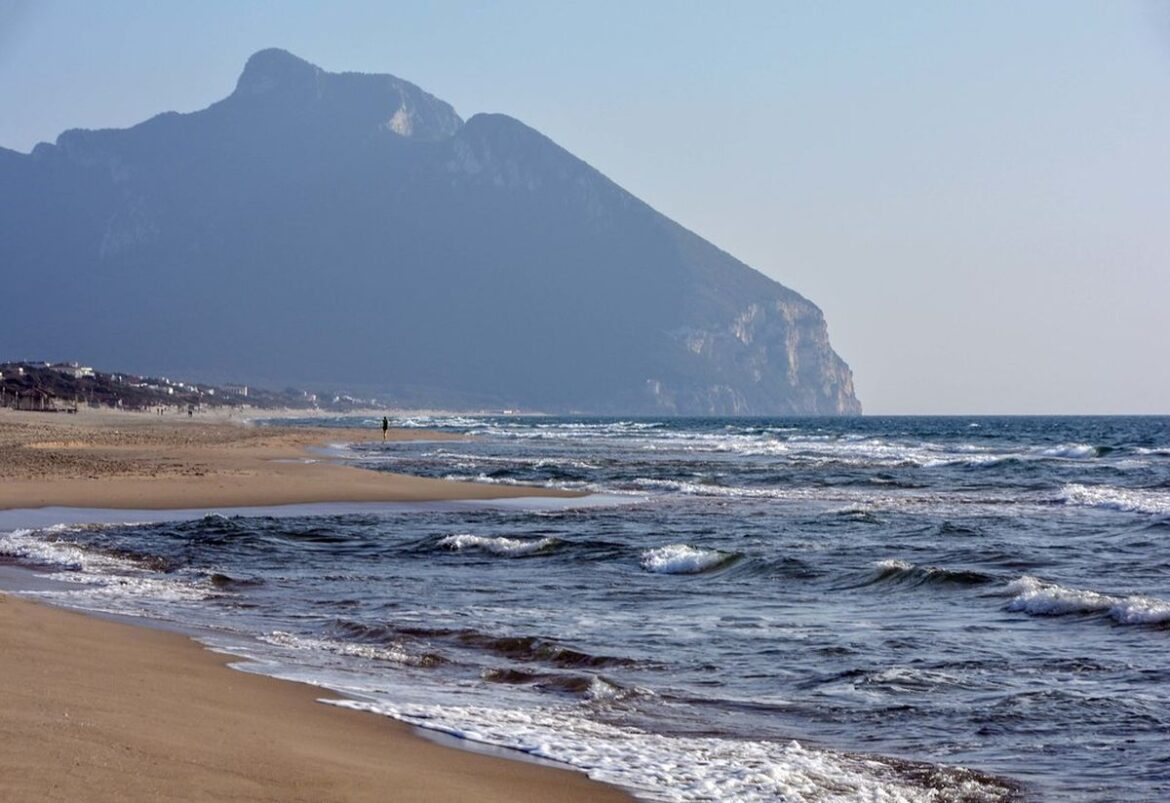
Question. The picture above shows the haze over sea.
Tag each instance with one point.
(798, 609)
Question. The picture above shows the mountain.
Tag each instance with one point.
(341, 229)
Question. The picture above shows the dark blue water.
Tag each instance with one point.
(887, 609)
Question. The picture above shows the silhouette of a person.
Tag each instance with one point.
(385, 426)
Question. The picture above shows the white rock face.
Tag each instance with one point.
(781, 350)
(401, 123)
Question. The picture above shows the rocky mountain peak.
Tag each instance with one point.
(275, 69)
(278, 83)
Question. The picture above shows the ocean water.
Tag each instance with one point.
(883, 609)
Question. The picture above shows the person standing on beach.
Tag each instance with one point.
(385, 426)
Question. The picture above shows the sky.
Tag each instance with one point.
(976, 194)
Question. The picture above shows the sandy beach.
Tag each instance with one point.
(147, 462)
(98, 710)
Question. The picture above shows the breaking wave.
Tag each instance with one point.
(1038, 598)
(1073, 451)
(1127, 500)
(371, 652)
(905, 573)
(499, 545)
(684, 559)
(677, 768)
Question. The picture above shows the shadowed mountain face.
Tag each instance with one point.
(351, 230)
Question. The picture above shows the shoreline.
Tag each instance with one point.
(136, 461)
(98, 709)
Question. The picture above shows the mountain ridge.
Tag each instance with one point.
(507, 270)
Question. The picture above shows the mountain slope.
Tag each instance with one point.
(324, 229)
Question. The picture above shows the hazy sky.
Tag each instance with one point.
(977, 194)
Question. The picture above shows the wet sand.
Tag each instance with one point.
(101, 711)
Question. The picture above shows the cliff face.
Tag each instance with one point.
(326, 229)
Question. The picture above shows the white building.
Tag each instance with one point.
(73, 369)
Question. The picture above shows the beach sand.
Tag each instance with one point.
(97, 710)
(145, 462)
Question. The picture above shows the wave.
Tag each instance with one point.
(44, 547)
(499, 545)
(589, 688)
(564, 683)
(523, 649)
(857, 502)
(106, 579)
(968, 461)
(560, 485)
(704, 489)
(534, 649)
(1073, 451)
(125, 595)
(433, 422)
(684, 559)
(906, 573)
(1107, 497)
(467, 460)
(1038, 598)
(373, 652)
(227, 582)
(696, 767)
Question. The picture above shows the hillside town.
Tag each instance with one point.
(68, 386)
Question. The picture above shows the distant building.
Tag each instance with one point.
(35, 399)
(75, 370)
(239, 390)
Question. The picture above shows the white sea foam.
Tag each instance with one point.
(34, 546)
(508, 547)
(852, 499)
(968, 460)
(600, 690)
(910, 678)
(704, 489)
(682, 559)
(1108, 497)
(107, 591)
(467, 461)
(436, 421)
(1069, 451)
(1038, 598)
(99, 580)
(678, 768)
(393, 654)
(557, 484)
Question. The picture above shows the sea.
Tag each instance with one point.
(795, 609)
